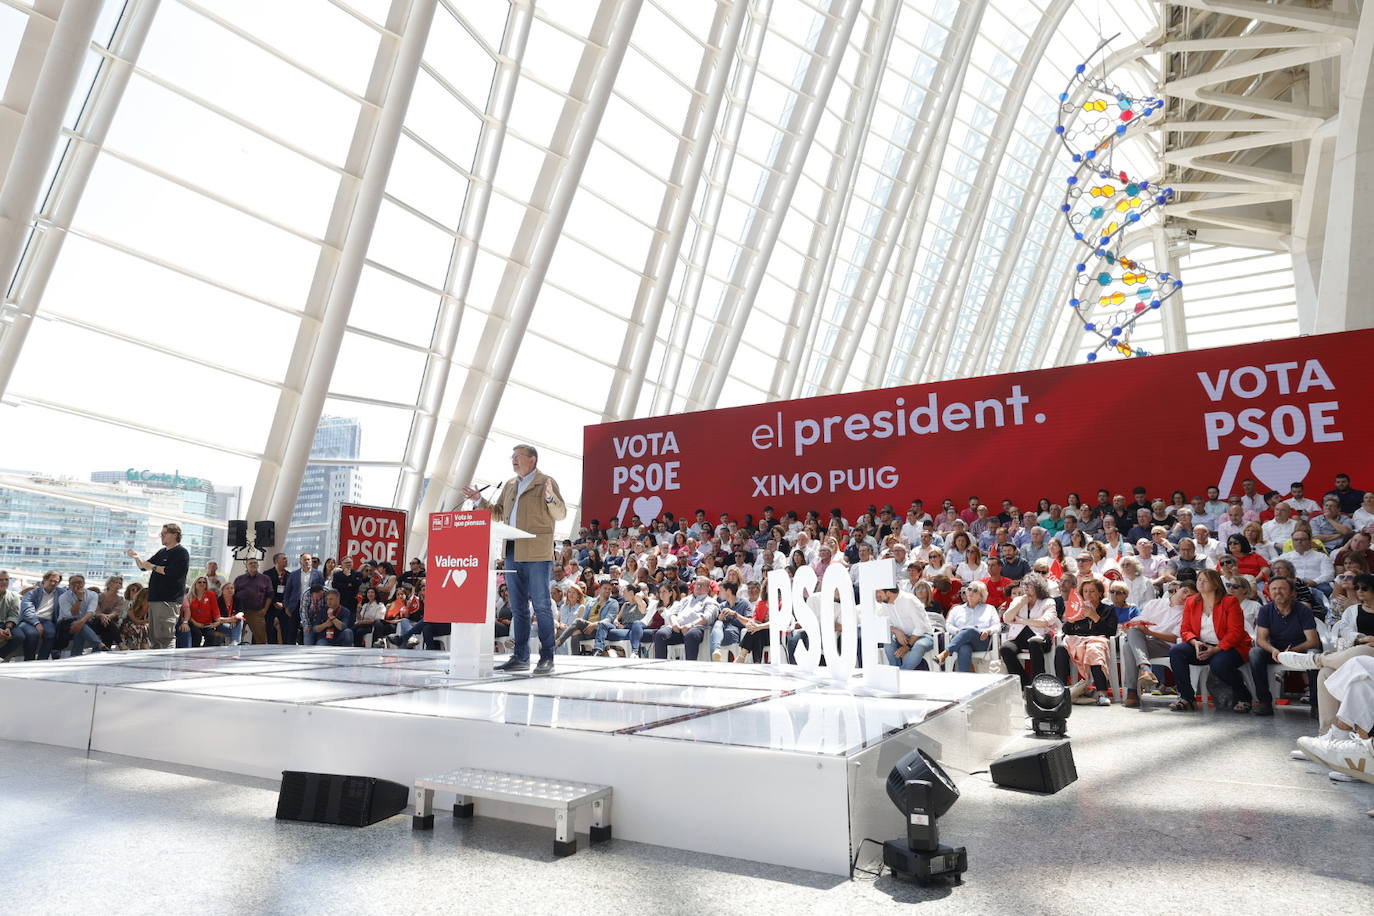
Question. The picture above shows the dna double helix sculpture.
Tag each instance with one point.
(1102, 203)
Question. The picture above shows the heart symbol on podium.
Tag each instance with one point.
(1279, 472)
(458, 577)
(648, 508)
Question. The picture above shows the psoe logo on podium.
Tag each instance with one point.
(460, 567)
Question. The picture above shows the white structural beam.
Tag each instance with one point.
(472, 220)
(535, 244)
(785, 167)
(1347, 271)
(75, 169)
(1166, 253)
(348, 235)
(40, 23)
(675, 211)
(833, 210)
(688, 298)
(972, 220)
(34, 149)
(908, 206)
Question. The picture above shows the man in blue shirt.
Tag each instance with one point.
(1284, 624)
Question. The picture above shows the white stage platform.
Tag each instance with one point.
(752, 761)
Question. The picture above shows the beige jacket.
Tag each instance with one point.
(535, 516)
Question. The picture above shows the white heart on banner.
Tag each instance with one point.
(648, 508)
(458, 577)
(1279, 472)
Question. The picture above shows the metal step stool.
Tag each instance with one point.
(561, 795)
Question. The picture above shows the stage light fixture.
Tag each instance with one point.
(1048, 704)
(923, 793)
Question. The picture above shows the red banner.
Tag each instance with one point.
(1278, 412)
(372, 534)
(458, 573)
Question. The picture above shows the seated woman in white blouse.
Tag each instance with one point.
(972, 567)
(970, 626)
(1033, 622)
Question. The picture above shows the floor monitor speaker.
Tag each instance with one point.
(1037, 770)
(325, 798)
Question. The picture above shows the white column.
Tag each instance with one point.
(533, 251)
(453, 304)
(833, 212)
(967, 245)
(914, 187)
(688, 300)
(785, 170)
(33, 153)
(675, 212)
(1165, 251)
(1347, 272)
(354, 217)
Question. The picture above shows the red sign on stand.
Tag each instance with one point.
(372, 534)
(1277, 412)
(458, 573)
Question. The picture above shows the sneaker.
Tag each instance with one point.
(1354, 758)
(1330, 748)
(412, 642)
(1297, 755)
(1103, 700)
(1301, 661)
(1339, 777)
(515, 664)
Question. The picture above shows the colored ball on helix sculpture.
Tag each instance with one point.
(1092, 357)
(1090, 326)
(1096, 212)
(1105, 279)
(1116, 332)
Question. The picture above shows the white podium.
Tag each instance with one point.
(470, 644)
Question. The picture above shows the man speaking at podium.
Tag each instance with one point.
(530, 502)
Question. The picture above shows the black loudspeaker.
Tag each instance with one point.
(238, 533)
(1038, 770)
(264, 534)
(352, 801)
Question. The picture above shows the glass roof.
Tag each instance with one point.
(590, 211)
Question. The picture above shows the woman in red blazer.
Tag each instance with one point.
(1213, 634)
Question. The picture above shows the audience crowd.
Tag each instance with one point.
(1156, 586)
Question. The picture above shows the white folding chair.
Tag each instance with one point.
(986, 656)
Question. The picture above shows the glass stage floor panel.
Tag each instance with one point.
(734, 705)
(625, 692)
(810, 722)
(271, 689)
(519, 709)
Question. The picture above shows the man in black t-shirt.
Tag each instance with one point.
(347, 582)
(166, 585)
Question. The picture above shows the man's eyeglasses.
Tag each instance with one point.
(1236, 586)
(1358, 588)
